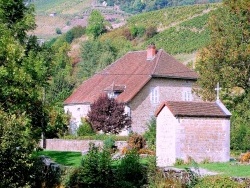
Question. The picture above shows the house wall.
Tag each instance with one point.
(197, 138)
(203, 139)
(77, 111)
(142, 110)
(166, 138)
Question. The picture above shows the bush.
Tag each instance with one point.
(130, 172)
(109, 144)
(108, 115)
(127, 34)
(245, 157)
(58, 31)
(85, 128)
(150, 31)
(95, 171)
(136, 141)
(150, 134)
(46, 175)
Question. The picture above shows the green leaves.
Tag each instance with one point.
(96, 24)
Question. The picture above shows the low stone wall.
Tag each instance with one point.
(75, 145)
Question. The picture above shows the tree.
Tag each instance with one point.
(96, 24)
(227, 60)
(17, 17)
(96, 55)
(16, 148)
(108, 115)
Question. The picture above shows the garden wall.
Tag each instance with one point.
(75, 145)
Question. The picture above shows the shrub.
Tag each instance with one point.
(78, 31)
(58, 31)
(46, 174)
(136, 141)
(150, 134)
(150, 31)
(127, 34)
(85, 128)
(108, 115)
(95, 171)
(130, 172)
(109, 144)
(245, 157)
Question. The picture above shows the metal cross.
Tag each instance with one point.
(217, 89)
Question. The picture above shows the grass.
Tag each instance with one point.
(232, 169)
(63, 157)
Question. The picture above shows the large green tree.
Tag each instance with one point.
(227, 60)
(16, 148)
(96, 24)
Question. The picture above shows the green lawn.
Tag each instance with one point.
(228, 169)
(63, 157)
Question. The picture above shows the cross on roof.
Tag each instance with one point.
(217, 89)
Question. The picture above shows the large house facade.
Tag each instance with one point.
(142, 80)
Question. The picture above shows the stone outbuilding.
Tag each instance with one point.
(196, 130)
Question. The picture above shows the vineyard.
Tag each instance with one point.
(181, 30)
(165, 17)
(62, 7)
(187, 37)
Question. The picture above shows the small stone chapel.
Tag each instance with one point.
(196, 130)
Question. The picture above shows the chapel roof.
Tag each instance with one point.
(195, 109)
(132, 71)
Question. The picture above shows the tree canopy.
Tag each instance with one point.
(108, 115)
(96, 24)
(227, 60)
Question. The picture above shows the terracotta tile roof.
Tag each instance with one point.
(194, 109)
(133, 71)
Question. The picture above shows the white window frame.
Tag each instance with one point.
(187, 95)
(154, 95)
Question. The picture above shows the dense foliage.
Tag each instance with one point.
(96, 55)
(96, 24)
(226, 60)
(108, 115)
(16, 147)
(97, 170)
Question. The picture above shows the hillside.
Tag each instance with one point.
(65, 14)
(181, 31)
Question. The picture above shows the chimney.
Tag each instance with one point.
(151, 51)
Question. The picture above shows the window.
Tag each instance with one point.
(154, 95)
(187, 95)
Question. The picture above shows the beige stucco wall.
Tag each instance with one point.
(166, 138)
(169, 90)
(198, 138)
(204, 139)
(77, 111)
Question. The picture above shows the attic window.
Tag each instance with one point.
(114, 91)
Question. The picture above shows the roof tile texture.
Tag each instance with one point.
(193, 109)
(133, 71)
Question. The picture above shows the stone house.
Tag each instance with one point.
(142, 80)
(197, 130)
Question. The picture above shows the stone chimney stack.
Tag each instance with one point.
(151, 51)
